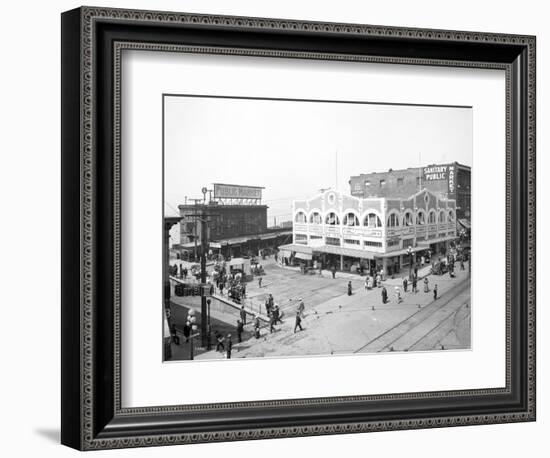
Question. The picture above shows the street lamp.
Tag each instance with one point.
(191, 324)
(409, 252)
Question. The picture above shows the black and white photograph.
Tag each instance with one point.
(300, 228)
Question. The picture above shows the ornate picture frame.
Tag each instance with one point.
(92, 413)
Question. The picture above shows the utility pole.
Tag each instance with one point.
(203, 218)
(205, 319)
(195, 216)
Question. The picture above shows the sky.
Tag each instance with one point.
(296, 148)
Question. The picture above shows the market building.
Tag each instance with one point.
(232, 221)
(374, 233)
(449, 181)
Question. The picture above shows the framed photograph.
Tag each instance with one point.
(275, 228)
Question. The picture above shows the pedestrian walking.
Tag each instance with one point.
(243, 315)
(398, 295)
(298, 323)
(260, 282)
(219, 342)
(379, 280)
(405, 284)
(272, 323)
(277, 314)
(333, 272)
(301, 308)
(426, 285)
(240, 329)
(349, 288)
(384, 295)
(229, 346)
(435, 292)
(415, 289)
(461, 263)
(257, 327)
(185, 272)
(267, 308)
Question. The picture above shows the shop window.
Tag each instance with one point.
(300, 218)
(300, 238)
(408, 243)
(392, 243)
(372, 244)
(315, 218)
(393, 220)
(351, 242)
(451, 216)
(350, 219)
(372, 220)
(332, 219)
(334, 241)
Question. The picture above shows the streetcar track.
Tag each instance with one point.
(461, 287)
(441, 322)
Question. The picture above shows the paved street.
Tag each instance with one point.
(336, 323)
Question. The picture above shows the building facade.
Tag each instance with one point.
(375, 232)
(233, 223)
(450, 181)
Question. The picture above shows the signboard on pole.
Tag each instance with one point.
(233, 191)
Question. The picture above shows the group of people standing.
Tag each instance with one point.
(414, 289)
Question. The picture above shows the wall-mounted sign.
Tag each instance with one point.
(435, 172)
(451, 174)
(233, 191)
(441, 173)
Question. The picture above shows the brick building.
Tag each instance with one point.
(235, 219)
(449, 181)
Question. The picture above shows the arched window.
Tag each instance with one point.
(300, 217)
(431, 217)
(421, 217)
(441, 216)
(315, 218)
(350, 219)
(372, 220)
(393, 220)
(451, 216)
(332, 219)
(408, 219)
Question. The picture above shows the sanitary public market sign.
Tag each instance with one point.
(441, 173)
(232, 191)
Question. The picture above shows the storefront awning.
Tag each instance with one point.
(306, 257)
(403, 251)
(350, 252)
(296, 248)
(465, 223)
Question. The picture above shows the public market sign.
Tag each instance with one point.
(441, 173)
(232, 191)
